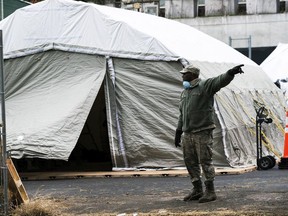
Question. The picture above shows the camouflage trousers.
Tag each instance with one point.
(197, 151)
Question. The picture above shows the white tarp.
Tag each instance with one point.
(276, 64)
(46, 109)
(115, 31)
(58, 52)
(276, 67)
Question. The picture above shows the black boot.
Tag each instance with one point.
(196, 193)
(209, 194)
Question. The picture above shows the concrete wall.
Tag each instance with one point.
(213, 8)
(262, 6)
(180, 8)
(189, 9)
(266, 30)
(220, 7)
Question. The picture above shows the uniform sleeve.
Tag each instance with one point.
(180, 118)
(213, 85)
(180, 123)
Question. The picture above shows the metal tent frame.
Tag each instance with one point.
(4, 172)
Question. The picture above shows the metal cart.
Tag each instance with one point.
(266, 162)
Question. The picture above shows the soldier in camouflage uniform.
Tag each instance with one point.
(196, 121)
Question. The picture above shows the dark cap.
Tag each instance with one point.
(191, 69)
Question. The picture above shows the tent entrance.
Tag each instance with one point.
(92, 151)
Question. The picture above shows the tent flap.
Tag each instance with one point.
(47, 104)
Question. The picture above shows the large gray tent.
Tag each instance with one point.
(60, 55)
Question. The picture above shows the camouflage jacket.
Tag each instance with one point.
(196, 103)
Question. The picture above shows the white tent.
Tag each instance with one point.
(276, 66)
(58, 54)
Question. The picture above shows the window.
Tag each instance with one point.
(201, 8)
(117, 3)
(153, 10)
(242, 7)
(162, 8)
(282, 6)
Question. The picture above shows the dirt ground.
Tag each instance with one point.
(251, 193)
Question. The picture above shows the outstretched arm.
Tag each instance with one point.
(214, 84)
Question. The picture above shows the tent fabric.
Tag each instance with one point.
(47, 104)
(149, 134)
(147, 93)
(112, 30)
(275, 65)
(59, 52)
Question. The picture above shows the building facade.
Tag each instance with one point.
(253, 27)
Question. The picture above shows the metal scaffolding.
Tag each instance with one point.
(249, 44)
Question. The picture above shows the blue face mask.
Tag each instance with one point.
(186, 84)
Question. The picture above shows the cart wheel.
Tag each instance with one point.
(273, 160)
(265, 163)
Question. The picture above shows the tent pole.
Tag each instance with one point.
(3, 130)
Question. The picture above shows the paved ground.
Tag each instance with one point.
(252, 193)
